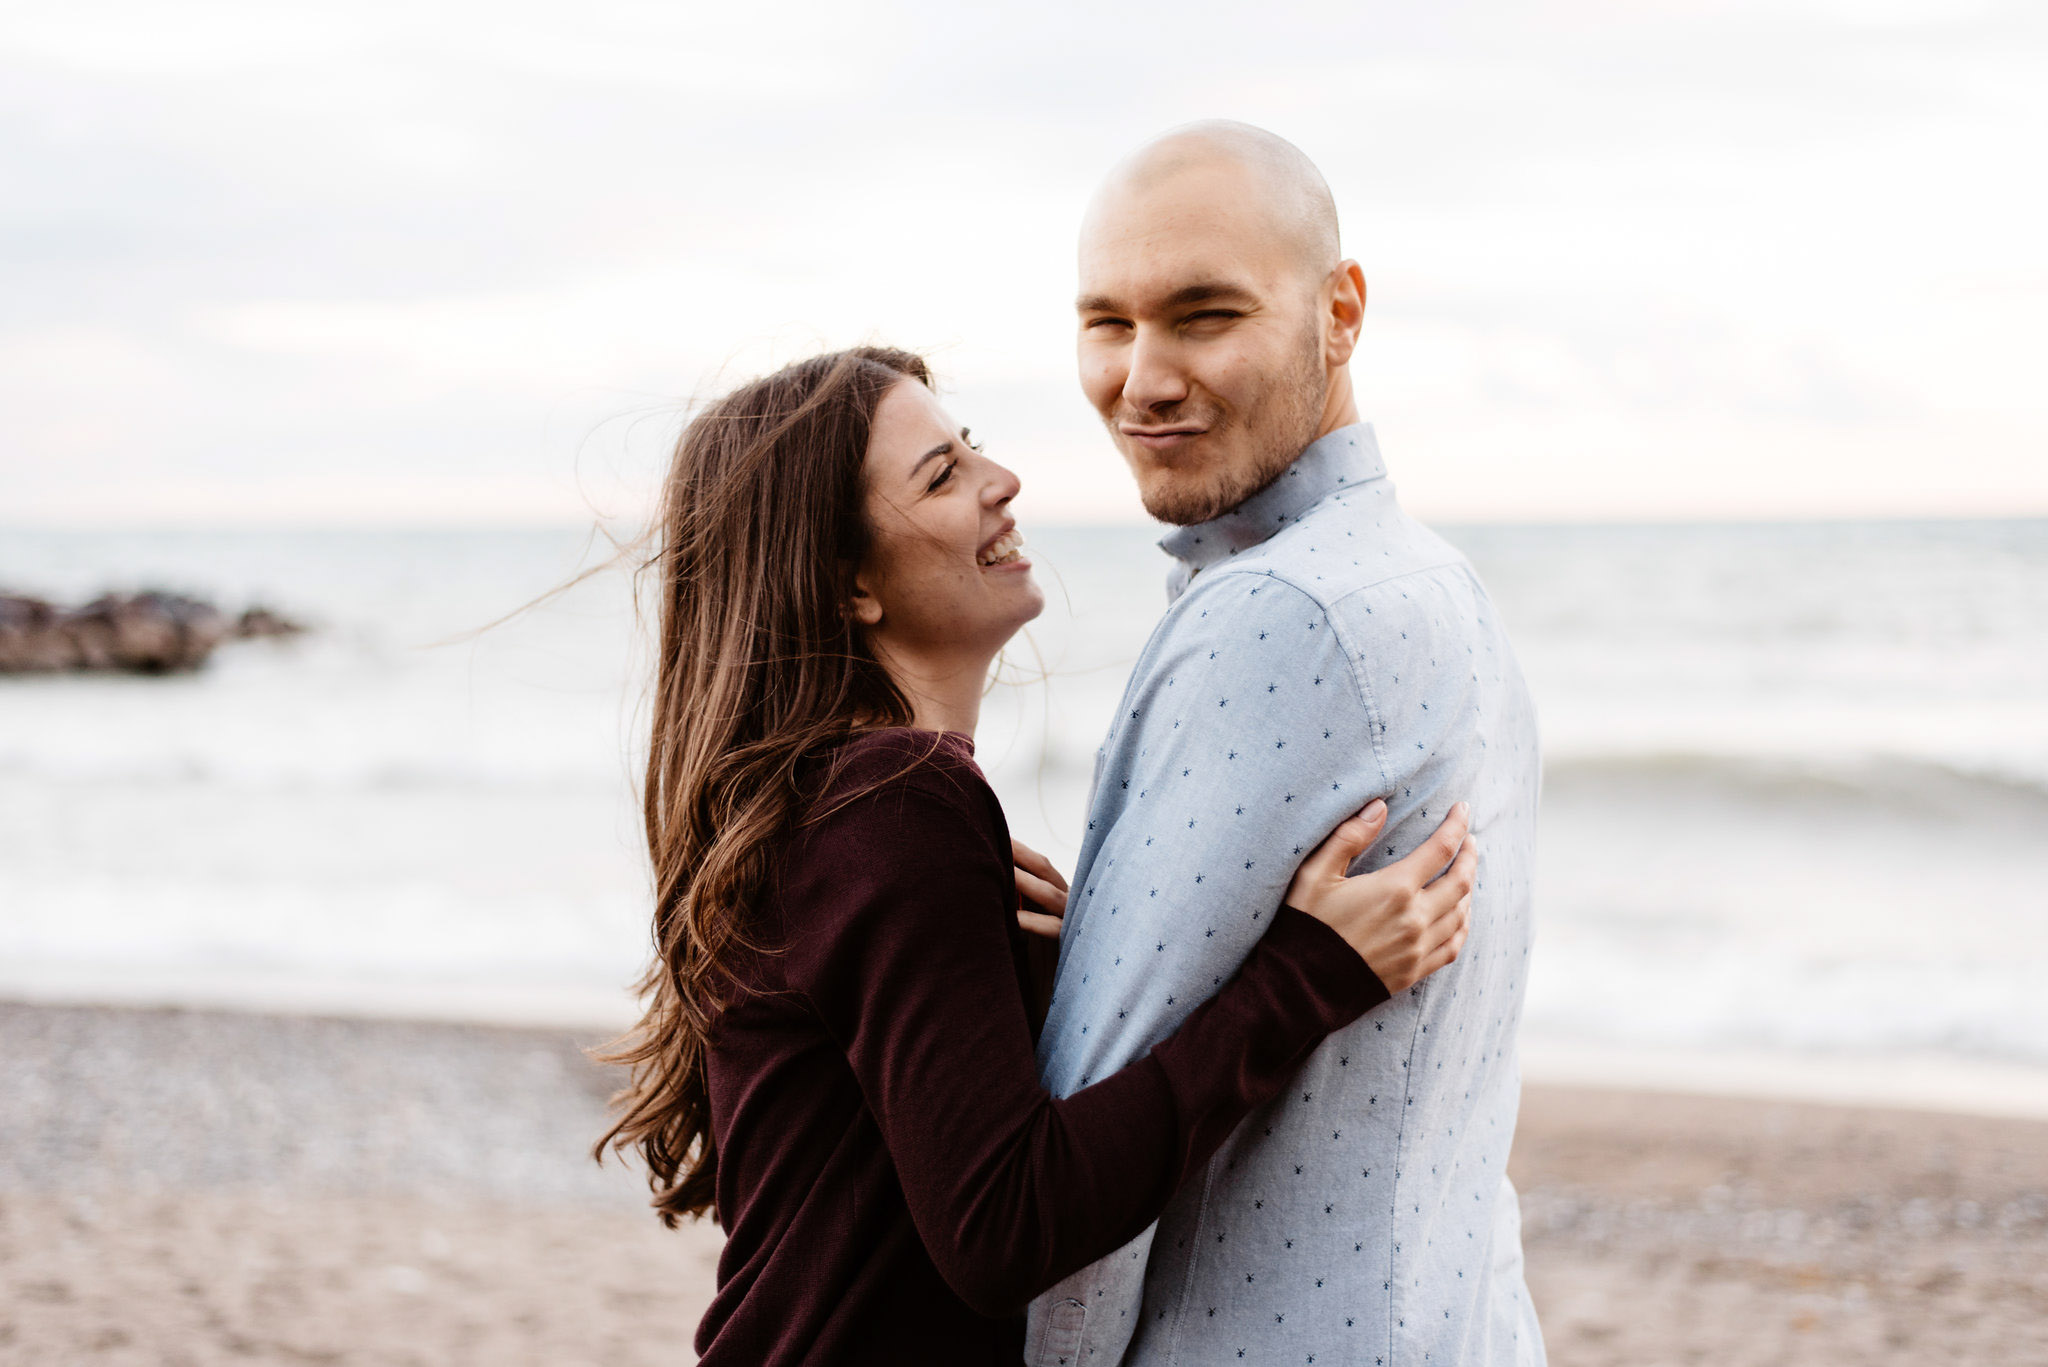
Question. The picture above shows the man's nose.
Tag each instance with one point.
(1156, 379)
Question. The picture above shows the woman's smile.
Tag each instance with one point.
(1006, 552)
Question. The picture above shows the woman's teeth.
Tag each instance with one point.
(1004, 548)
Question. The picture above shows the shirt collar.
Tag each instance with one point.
(1347, 456)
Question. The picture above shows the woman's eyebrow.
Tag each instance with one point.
(943, 448)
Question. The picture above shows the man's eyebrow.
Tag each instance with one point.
(1201, 292)
(1206, 292)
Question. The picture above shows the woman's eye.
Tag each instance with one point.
(943, 475)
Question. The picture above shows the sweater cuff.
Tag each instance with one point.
(1342, 982)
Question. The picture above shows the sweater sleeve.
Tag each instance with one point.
(901, 907)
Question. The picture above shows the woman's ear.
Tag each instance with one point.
(865, 607)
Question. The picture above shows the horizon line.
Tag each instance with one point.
(596, 524)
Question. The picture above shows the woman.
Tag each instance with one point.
(837, 1056)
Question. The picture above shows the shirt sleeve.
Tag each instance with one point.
(905, 953)
(1245, 738)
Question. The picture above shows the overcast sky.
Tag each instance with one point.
(408, 262)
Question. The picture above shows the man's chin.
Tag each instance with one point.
(1189, 497)
(1183, 503)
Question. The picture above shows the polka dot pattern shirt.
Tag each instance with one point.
(1321, 649)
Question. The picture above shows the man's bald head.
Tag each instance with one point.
(1277, 177)
(1216, 318)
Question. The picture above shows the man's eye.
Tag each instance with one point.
(1094, 323)
(1213, 314)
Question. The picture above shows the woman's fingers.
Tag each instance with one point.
(1040, 885)
(1407, 919)
(1331, 858)
(1037, 892)
(1428, 859)
(1430, 948)
(1036, 923)
(1456, 918)
(1442, 918)
(1444, 954)
(1444, 907)
(1449, 899)
(1031, 861)
(1459, 878)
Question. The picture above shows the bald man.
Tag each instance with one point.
(1320, 649)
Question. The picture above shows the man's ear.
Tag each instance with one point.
(1345, 316)
(865, 607)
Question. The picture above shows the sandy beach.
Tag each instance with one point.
(184, 1187)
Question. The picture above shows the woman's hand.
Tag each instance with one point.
(1406, 920)
(1043, 890)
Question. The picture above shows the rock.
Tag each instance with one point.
(30, 640)
(151, 632)
(261, 621)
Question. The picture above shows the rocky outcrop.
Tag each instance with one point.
(261, 621)
(147, 633)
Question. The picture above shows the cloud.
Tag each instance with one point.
(261, 252)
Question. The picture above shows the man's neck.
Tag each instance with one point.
(1340, 405)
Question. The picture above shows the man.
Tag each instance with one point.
(1321, 649)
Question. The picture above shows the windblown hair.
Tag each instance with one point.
(759, 666)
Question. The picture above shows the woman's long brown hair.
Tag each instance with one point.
(759, 664)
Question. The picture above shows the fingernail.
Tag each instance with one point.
(1374, 808)
(1464, 809)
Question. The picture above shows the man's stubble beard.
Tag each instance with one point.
(1289, 416)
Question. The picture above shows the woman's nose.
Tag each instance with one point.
(1003, 485)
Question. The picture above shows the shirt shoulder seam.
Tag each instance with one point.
(1226, 570)
(1353, 667)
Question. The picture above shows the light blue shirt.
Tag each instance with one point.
(1321, 649)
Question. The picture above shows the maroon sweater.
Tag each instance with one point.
(894, 1183)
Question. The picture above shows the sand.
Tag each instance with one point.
(1674, 1229)
(199, 1187)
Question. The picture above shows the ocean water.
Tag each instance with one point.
(1796, 785)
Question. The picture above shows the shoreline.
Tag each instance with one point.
(180, 1185)
(1941, 1084)
(1916, 1081)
